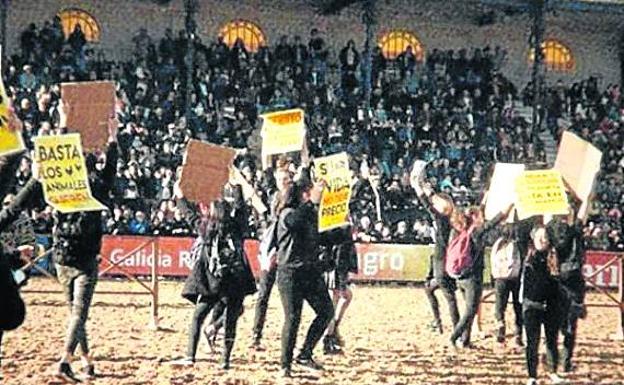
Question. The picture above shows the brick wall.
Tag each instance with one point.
(593, 38)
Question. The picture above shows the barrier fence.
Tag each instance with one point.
(153, 257)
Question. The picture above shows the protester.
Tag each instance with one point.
(465, 256)
(283, 180)
(221, 273)
(541, 303)
(343, 261)
(77, 240)
(299, 276)
(568, 243)
(440, 207)
(11, 303)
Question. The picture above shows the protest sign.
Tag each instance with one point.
(282, 132)
(205, 170)
(11, 140)
(334, 208)
(579, 163)
(64, 174)
(540, 192)
(89, 106)
(501, 192)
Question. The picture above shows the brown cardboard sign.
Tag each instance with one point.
(89, 106)
(579, 163)
(205, 171)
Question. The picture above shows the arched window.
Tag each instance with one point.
(557, 56)
(394, 43)
(73, 16)
(251, 35)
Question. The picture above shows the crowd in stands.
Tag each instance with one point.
(454, 109)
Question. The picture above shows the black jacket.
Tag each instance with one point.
(237, 281)
(539, 286)
(78, 236)
(298, 237)
(13, 309)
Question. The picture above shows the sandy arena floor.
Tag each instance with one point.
(387, 339)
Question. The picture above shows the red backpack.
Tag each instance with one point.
(458, 260)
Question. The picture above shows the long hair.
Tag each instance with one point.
(552, 259)
(216, 220)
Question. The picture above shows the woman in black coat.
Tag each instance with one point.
(13, 308)
(221, 273)
(541, 302)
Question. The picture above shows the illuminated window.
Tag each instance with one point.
(395, 43)
(251, 35)
(557, 57)
(72, 17)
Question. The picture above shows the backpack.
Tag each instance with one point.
(505, 260)
(458, 261)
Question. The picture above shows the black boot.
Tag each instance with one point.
(228, 344)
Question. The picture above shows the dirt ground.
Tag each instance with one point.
(386, 332)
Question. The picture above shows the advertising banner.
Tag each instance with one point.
(64, 174)
(377, 261)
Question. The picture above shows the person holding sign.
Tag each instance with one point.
(440, 207)
(299, 276)
(11, 303)
(567, 239)
(77, 238)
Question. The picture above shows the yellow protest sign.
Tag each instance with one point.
(540, 192)
(282, 132)
(10, 136)
(334, 209)
(64, 174)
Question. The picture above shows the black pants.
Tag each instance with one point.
(503, 288)
(573, 298)
(264, 293)
(295, 286)
(203, 306)
(533, 319)
(447, 287)
(471, 288)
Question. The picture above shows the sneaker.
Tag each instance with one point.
(309, 363)
(89, 372)
(555, 379)
(183, 362)
(225, 365)
(286, 373)
(331, 346)
(66, 373)
(532, 381)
